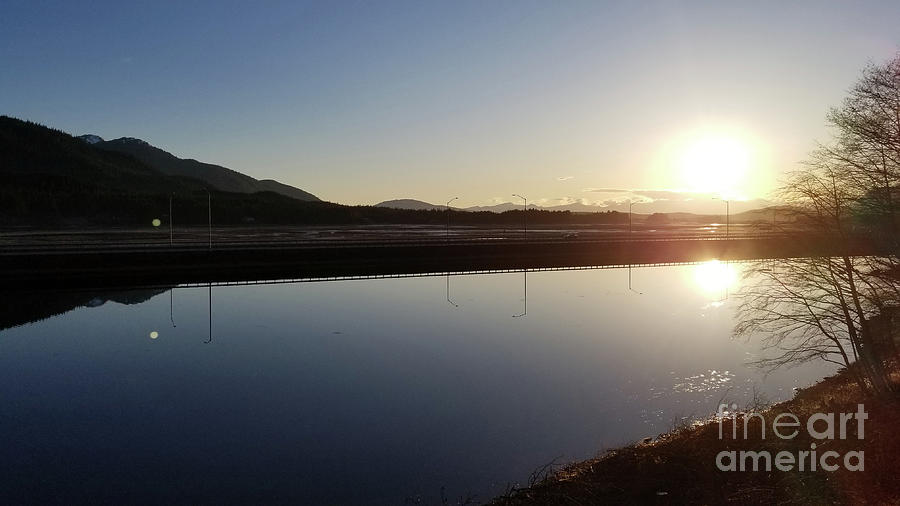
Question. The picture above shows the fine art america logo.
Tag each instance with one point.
(819, 426)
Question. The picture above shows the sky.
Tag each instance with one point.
(359, 102)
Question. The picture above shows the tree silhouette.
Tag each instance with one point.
(840, 309)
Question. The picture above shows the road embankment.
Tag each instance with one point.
(106, 267)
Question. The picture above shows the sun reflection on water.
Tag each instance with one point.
(715, 278)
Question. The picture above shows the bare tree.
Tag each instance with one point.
(821, 308)
(866, 146)
(839, 308)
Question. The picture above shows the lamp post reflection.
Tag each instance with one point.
(172, 306)
(525, 294)
(210, 315)
(629, 282)
(448, 292)
(727, 283)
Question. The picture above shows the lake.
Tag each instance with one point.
(380, 391)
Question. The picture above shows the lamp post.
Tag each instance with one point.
(727, 217)
(209, 214)
(630, 204)
(629, 217)
(525, 214)
(171, 219)
(448, 216)
(727, 214)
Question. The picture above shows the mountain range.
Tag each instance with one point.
(221, 178)
(52, 178)
(706, 206)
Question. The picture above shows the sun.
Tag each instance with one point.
(715, 163)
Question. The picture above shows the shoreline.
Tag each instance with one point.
(681, 467)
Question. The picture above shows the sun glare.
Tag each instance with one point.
(715, 277)
(715, 164)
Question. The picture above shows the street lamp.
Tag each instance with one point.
(727, 218)
(448, 216)
(727, 214)
(629, 213)
(171, 219)
(525, 219)
(209, 214)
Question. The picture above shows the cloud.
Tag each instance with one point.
(565, 178)
(606, 190)
(630, 194)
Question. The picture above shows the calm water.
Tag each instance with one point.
(369, 391)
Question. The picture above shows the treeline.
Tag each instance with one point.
(52, 179)
(41, 203)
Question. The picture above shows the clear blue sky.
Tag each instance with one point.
(359, 102)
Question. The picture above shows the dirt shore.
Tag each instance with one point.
(680, 467)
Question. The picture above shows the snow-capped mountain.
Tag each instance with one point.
(91, 138)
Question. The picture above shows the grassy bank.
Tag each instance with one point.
(680, 467)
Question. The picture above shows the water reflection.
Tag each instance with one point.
(371, 374)
(172, 306)
(835, 309)
(524, 295)
(629, 282)
(209, 339)
(716, 278)
(448, 292)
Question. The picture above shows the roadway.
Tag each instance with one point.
(264, 238)
(105, 263)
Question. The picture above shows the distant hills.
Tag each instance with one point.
(412, 204)
(221, 178)
(687, 206)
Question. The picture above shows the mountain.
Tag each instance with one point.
(91, 138)
(412, 204)
(51, 178)
(44, 161)
(221, 178)
(687, 206)
(24, 307)
(506, 206)
(419, 205)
